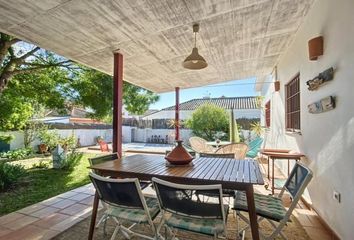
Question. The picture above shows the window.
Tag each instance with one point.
(267, 114)
(292, 111)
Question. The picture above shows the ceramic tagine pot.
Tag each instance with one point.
(179, 155)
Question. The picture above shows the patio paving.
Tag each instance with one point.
(53, 216)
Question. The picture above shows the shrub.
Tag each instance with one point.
(71, 160)
(17, 154)
(9, 174)
(49, 138)
(6, 138)
(207, 120)
(52, 139)
(41, 165)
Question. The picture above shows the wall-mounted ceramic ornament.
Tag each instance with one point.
(323, 105)
(319, 80)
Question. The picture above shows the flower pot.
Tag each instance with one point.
(42, 148)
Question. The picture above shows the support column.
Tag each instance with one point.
(177, 114)
(117, 103)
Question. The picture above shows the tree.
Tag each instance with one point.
(28, 93)
(95, 90)
(32, 78)
(207, 120)
(18, 57)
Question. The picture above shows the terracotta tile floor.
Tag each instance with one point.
(46, 219)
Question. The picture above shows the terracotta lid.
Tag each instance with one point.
(179, 155)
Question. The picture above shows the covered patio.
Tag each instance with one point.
(145, 43)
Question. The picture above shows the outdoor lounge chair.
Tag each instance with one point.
(238, 149)
(254, 147)
(125, 201)
(200, 145)
(270, 207)
(181, 209)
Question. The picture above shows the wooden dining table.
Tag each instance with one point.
(230, 173)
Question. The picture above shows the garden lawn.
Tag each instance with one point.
(40, 184)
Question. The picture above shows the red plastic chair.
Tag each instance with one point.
(103, 146)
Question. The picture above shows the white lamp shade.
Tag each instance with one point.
(195, 61)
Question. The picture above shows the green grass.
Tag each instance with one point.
(41, 184)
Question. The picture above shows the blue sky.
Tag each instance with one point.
(237, 88)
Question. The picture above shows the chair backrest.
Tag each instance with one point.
(296, 184)
(217, 155)
(118, 192)
(297, 181)
(254, 147)
(181, 199)
(238, 149)
(103, 146)
(199, 145)
(104, 158)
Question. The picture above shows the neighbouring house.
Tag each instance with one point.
(326, 138)
(72, 115)
(243, 107)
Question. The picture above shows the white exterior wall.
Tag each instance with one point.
(183, 114)
(327, 139)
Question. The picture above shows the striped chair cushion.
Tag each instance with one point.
(266, 206)
(133, 214)
(198, 225)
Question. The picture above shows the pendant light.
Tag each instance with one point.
(195, 61)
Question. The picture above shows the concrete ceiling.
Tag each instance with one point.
(238, 38)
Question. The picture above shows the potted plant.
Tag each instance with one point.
(49, 140)
(99, 139)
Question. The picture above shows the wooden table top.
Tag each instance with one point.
(273, 150)
(231, 173)
(283, 155)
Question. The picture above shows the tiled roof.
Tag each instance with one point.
(224, 102)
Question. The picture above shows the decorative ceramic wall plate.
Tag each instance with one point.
(323, 105)
(322, 78)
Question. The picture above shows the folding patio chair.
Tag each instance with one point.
(181, 209)
(125, 201)
(271, 208)
(106, 158)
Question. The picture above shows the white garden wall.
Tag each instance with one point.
(327, 139)
(87, 136)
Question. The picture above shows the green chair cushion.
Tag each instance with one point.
(134, 214)
(206, 226)
(266, 206)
